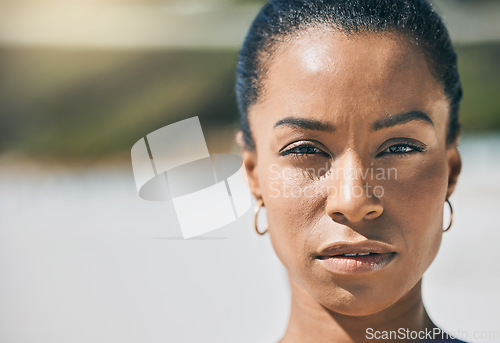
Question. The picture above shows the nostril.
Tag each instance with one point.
(338, 217)
(373, 214)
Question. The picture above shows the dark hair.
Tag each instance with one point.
(278, 19)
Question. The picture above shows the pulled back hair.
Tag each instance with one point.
(282, 19)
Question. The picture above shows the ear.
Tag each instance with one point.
(250, 162)
(454, 168)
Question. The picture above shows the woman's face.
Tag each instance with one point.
(351, 158)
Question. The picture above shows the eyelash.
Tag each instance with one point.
(295, 150)
(414, 148)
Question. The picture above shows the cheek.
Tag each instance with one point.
(415, 202)
(294, 200)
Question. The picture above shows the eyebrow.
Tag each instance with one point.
(398, 119)
(308, 124)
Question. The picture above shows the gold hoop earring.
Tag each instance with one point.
(260, 204)
(451, 216)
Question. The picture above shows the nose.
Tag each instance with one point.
(351, 195)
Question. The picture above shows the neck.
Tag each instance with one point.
(311, 322)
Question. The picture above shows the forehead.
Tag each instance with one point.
(326, 69)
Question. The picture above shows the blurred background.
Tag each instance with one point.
(84, 259)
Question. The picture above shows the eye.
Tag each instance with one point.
(403, 149)
(302, 149)
(399, 149)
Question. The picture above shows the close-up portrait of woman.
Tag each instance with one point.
(349, 128)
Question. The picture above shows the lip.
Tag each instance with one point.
(374, 256)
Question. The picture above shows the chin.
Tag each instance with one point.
(360, 307)
(361, 300)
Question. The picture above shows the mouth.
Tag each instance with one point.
(350, 258)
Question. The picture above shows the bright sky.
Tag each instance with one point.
(155, 24)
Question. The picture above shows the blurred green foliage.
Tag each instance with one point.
(92, 104)
(480, 74)
(77, 104)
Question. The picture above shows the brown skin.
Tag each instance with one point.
(349, 83)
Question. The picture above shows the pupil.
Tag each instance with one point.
(399, 148)
(305, 150)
